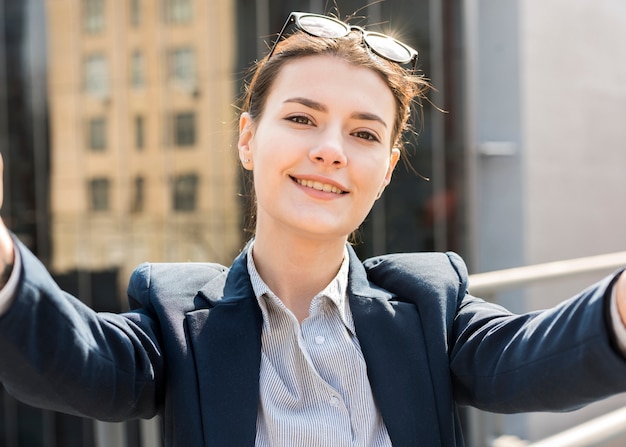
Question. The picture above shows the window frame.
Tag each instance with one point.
(185, 189)
(137, 69)
(135, 13)
(184, 129)
(181, 67)
(94, 16)
(178, 11)
(140, 132)
(97, 134)
(96, 75)
(99, 194)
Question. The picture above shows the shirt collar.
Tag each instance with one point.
(335, 291)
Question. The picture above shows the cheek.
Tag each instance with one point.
(374, 171)
(268, 145)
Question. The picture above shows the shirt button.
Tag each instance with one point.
(334, 401)
(320, 340)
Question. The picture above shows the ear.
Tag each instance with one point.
(246, 134)
(394, 157)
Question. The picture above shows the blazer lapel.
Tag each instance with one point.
(226, 343)
(393, 344)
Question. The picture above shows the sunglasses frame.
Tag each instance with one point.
(294, 19)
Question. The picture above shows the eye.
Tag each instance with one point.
(366, 135)
(300, 119)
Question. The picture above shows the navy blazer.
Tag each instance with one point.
(189, 350)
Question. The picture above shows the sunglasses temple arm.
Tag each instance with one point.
(280, 35)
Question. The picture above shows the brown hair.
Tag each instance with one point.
(408, 88)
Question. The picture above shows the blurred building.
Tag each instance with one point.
(143, 166)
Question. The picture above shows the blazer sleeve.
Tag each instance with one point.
(553, 360)
(59, 354)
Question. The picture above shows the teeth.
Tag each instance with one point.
(319, 186)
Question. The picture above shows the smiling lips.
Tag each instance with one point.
(320, 186)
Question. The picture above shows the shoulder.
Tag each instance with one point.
(171, 281)
(166, 271)
(408, 273)
(424, 266)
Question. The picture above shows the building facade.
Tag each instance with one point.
(143, 166)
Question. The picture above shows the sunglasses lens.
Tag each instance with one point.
(322, 26)
(389, 48)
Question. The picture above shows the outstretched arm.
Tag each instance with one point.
(59, 354)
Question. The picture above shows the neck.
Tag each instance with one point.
(296, 269)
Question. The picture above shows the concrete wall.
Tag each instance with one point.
(550, 80)
(574, 108)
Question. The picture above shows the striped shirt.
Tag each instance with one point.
(314, 390)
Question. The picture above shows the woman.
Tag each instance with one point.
(298, 343)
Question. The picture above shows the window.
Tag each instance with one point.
(97, 130)
(99, 194)
(182, 67)
(139, 132)
(185, 192)
(185, 129)
(137, 75)
(138, 195)
(178, 11)
(135, 13)
(93, 16)
(95, 75)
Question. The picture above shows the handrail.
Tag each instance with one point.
(492, 282)
(593, 433)
(597, 431)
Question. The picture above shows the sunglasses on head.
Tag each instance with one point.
(322, 26)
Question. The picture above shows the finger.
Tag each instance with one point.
(1, 180)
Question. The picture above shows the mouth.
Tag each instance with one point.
(319, 186)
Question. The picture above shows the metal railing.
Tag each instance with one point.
(595, 433)
(488, 284)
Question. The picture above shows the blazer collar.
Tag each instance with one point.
(226, 342)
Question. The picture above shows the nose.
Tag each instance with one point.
(329, 150)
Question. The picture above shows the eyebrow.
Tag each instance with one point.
(322, 108)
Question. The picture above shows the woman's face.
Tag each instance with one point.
(321, 151)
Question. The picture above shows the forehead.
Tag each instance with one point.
(335, 82)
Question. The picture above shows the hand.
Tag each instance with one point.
(7, 254)
(620, 296)
(1, 180)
